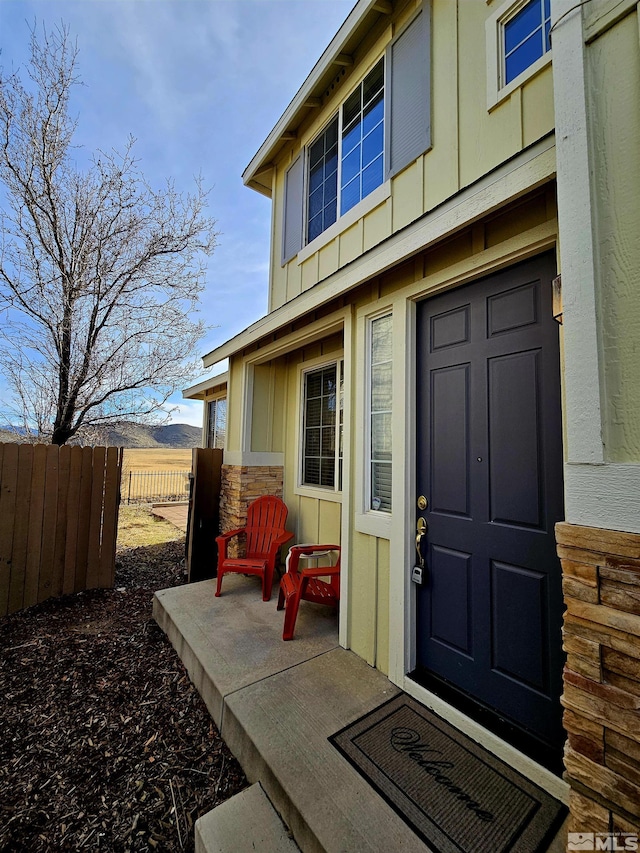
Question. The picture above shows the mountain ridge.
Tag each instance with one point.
(131, 435)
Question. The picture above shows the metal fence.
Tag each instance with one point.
(141, 486)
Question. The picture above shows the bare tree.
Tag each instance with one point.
(99, 273)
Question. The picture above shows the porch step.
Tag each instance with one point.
(244, 824)
(276, 704)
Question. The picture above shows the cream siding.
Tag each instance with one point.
(468, 141)
(613, 87)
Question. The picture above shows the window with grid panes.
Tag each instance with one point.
(380, 403)
(362, 150)
(323, 181)
(389, 109)
(322, 427)
(526, 38)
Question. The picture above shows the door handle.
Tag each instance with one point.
(421, 529)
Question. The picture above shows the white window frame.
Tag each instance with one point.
(208, 403)
(368, 509)
(331, 493)
(367, 520)
(496, 92)
(341, 217)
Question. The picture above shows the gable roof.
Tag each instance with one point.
(364, 15)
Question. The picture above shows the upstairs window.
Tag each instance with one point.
(526, 38)
(379, 130)
(323, 181)
(362, 160)
(359, 127)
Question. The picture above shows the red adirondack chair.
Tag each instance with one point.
(264, 533)
(305, 584)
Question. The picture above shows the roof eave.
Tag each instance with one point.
(199, 391)
(263, 160)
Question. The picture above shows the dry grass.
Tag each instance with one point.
(137, 527)
(156, 459)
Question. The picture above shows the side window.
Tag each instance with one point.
(323, 181)
(525, 38)
(322, 427)
(380, 413)
(518, 45)
(217, 422)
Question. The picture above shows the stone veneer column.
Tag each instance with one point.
(242, 484)
(601, 583)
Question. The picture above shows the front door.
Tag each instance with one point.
(489, 455)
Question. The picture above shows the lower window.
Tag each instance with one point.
(322, 427)
(380, 413)
(217, 423)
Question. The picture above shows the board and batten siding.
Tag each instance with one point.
(430, 161)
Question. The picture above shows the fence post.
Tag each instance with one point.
(129, 492)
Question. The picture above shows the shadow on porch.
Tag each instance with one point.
(275, 704)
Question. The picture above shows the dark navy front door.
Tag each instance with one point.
(489, 455)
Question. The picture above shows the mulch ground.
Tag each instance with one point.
(104, 742)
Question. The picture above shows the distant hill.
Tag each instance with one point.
(141, 435)
(128, 434)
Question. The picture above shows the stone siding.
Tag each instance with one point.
(601, 583)
(242, 484)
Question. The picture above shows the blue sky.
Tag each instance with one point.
(199, 84)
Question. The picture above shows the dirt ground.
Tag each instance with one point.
(104, 743)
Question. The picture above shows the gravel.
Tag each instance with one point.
(104, 742)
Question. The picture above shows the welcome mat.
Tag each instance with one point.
(458, 797)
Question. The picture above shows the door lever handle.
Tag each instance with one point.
(421, 529)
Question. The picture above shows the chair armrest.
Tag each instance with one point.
(223, 540)
(320, 571)
(224, 537)
(298, 551)
(280, 540)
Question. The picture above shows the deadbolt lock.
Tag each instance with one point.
(423, 503)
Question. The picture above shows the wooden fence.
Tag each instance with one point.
(58, 521)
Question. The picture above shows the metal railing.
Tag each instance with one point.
(139, 486)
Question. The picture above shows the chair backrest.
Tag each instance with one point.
(266, 519)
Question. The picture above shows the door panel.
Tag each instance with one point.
(489, 456)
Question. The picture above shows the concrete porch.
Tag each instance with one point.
(275, 704)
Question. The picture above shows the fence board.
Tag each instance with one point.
(111, 509)
(95, 517)
(64, 465)
(49, 517)
(84, 516)
(73, 518)
(7, 515)
(21, 528)
(34, 536)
